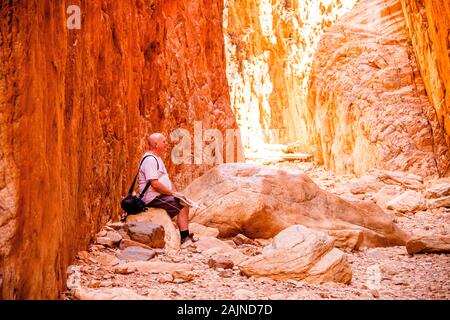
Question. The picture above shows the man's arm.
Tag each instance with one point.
(159, 187)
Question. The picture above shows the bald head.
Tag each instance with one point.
(157, 143)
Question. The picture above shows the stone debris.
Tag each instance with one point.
(376, 273)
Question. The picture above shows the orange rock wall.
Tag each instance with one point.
(428, 23)
(74, 108)
(367, 104)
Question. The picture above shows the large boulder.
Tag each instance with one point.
(300, 253)
(148, 233)
(171, 234)
(259, 202)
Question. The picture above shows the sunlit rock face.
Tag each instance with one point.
(270, 46)
(341, 79)
(367, 104)
(74, 108)
(428, 23)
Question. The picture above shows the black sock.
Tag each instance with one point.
(184, 233)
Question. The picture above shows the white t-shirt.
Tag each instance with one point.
(149, 171)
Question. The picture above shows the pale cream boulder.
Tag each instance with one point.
(440, 202)
(386, 194)
(409, 201)
(300, 253)
(259, 202)
(438, 188)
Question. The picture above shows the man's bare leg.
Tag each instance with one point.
(183, 219)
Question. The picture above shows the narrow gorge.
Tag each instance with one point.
(361, 88)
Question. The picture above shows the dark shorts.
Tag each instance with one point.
(169, 203)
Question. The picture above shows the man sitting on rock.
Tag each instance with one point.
(162, 193)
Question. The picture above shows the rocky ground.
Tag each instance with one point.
(378, 273)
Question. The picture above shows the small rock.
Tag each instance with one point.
(167, 277)
(136, 254)
(375, 293)
(123, 269)
(116, 225)
(101, 233)
(220, 261)
(114, 236)
(107, 242)
(94, 284)
(107, 260)
(182, 276)
(83, 255)
(226, 273)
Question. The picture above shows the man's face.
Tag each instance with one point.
(162, 144)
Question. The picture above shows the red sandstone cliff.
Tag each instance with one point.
(74, 107)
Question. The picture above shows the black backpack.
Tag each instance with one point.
(132, 204)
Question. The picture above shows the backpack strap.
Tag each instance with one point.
(135, 178)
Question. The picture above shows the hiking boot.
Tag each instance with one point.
(190, 238)
(123, 217)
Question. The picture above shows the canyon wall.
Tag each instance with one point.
(339, 79)
(75, 105)
(270, 46)
(428, 24)
(367, 105)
